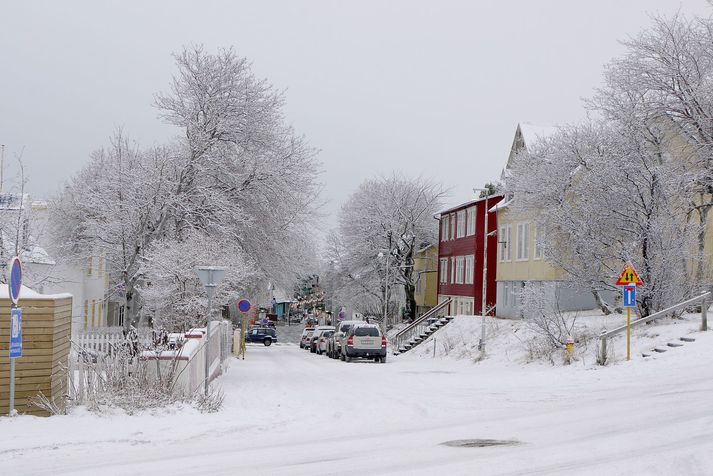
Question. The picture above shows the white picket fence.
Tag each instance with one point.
(105, 341)
(186, 364)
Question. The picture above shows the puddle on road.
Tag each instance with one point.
(479, 443)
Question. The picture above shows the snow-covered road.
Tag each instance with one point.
(291, 412)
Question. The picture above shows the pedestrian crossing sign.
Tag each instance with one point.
(629, 276)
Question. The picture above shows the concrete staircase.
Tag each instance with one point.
(423, 334)
(669, 345)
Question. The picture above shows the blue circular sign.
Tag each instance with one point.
(15, 279)
(244, 305)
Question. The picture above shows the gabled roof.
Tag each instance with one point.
(467, 204)
(526, 135)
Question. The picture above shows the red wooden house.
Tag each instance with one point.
(460, 255)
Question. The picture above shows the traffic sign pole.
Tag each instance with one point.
(628, 333)
(14, 285)
(630, 279)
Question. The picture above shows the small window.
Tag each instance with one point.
(469, 269)
(453, 269)
(444, 228)
(504, 239)
(471, 221)
(453, 226)
(523, 241)
(459, 269)
(460, 229)
(89, 266)
(444, 271)
(539, 241)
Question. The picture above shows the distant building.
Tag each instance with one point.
(87, 281)
(425, 267)
(460, 255)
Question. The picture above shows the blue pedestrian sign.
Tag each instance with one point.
(629, 296)
(15, 332)
(15, 283)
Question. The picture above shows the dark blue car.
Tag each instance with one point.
(265, 335)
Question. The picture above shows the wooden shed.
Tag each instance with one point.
(46, 331)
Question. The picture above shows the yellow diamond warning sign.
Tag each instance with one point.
(629, 276)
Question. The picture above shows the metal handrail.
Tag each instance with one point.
(656, 315)
(399, 337)
(704, 298)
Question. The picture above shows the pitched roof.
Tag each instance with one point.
(531, 133)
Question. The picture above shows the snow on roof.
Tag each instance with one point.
(32, 253)
(27, 293)
(466, 204)
(531, 133)
(502, 204)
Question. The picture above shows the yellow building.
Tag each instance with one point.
(520, 249)
(425, 269)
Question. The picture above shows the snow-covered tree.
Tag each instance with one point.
(665, 78)
(239, 189)
(385, 218)
(607, 193)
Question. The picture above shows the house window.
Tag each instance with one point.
(86, 314)
(453, 269)
(444, 271)
(460, 231)
(505, 243)
(471, 221)
(453, 226)
(469, 269)
(89, 266)
(460, 261)
(539, 241)
(523, 241)
(100, 266)
(444, 228)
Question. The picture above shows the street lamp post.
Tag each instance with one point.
(481, 343)
(210, 276)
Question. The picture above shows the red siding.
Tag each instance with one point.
(473, 245)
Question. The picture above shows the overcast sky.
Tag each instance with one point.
(428, 88)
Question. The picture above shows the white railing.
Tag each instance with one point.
(704, 299)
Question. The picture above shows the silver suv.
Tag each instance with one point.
(334, 345)
(364, 340)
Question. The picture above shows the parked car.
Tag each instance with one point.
(366, 341)
(334, 346)
(317, 332)
(322, 341)
(266, 335)
(306, 338)
(304, 334)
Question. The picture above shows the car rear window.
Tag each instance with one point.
(366, 331)
(328, 334)
(345, 328)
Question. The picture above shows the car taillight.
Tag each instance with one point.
(350, 341)
(383, 341)
(338, 341)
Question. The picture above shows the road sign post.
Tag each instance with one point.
(14, 286)
(244, 307)
(629, 279)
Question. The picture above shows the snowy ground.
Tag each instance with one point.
(291, 412)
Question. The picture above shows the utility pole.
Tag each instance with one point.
(481, 343)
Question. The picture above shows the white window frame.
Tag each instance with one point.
(453, 226)
(460, 227)
(445, 227)
(469, 269)
(470, 222)
(444, 271)
(453, 269)
(460, 265)
(505, 242)
(539, 252)
(523, 241)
